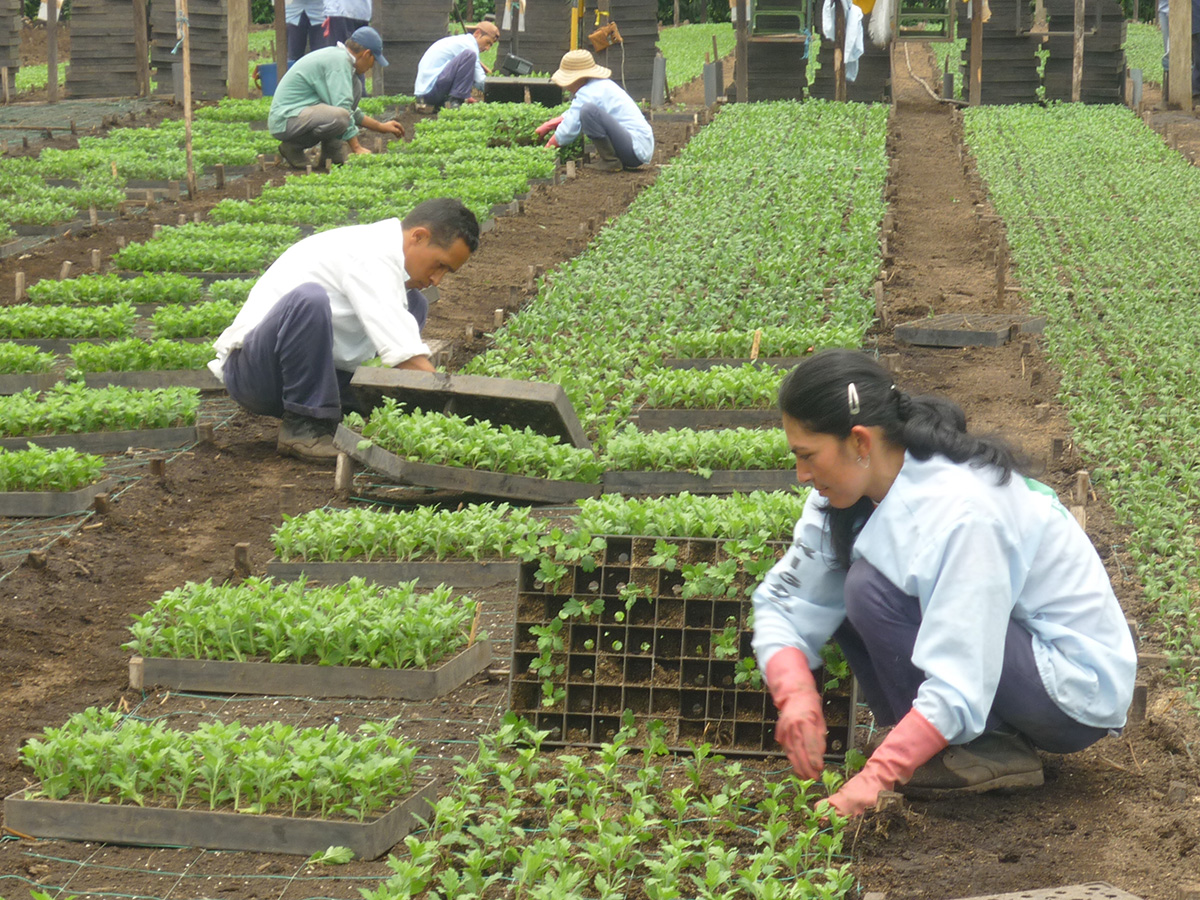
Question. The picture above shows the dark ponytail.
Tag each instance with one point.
(834, 390)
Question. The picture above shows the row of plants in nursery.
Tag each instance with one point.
(804, 253)
(75, 409)
(206, 247)
(685, 48)
(40, 469)
(150, 288)
(356, 624)
(115, 321)
(489, 531)
(1120, 323)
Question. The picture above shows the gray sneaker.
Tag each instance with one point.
(306, 438)
(995, 759)
(293, 154)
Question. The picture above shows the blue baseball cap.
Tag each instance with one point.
(368, 38)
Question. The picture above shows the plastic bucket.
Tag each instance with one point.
(265, 74)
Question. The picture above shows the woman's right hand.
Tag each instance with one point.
(800, 729)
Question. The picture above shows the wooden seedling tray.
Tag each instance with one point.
(724, 482)
(146, 827)
(968, 329)
(108, 441)
(14, 384)
(699, 419)
(453, 478)
(502, 401)
(201, 379)
(293, 680)
(43, 504)
(455, 574)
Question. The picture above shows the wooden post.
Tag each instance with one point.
(1077, 59)
(19, 288)
(343, 476)
(52, 51)
(975, 93)
(181, 9)
(281, 59)
(95, 260)
(141, 46)
(4, 79)
(241, 557)
(741, 76)
(839, 52)
(1180, 43)
(65, 270)
(237, 57)
(676, 13)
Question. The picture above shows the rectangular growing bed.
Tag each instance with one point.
(222, 677)
(454, 574)
(142, 826)
(657, 661)
(109, 441)
(202, 379)
(43, 504)
(454, 478)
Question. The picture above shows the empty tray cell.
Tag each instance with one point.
(551, 722)
(587, 583)
(746, 645)
(700, 551)
(581, 698)
(606, 728)
(584, 638)
(750, 704)
(641, 612)
(531, 607)
(520, 665)
(614, 580)
(696, 730)
(753, 736)
(525, 695)
(579, 729)
(527, 580)
(664, 701)
(581, 668)
(696, 643)
(698, 613)
(637, 699)
(638, 669)
(524, 637)
(613, 640)
(619, 552)
(670, 613)
(721, 674)
(645, 579)
(693, 704)
(668, 644)
(608, 700)
(641, 641)
(695, 673)
(670, 584)
(727, 613)
(721, 705)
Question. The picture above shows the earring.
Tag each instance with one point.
(865, 463)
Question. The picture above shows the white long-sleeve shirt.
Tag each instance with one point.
(362, 268)
(439, 54)
(618, 104)
(975, 555)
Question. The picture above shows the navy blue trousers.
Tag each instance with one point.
(455, 81)
(286, 362)
(878, 637)
(595, 122)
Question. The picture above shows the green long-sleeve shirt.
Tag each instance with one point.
(323, 76)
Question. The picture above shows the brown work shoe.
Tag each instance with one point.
(995, 759)
(307, 438)
(293, 154)
(335, 151)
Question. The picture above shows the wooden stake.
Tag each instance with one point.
(1077, 54)
(1082, 483)
(237, 28)
(219, 173)
(183, 219)
(65, 270)
(570, 168)
(155, 230)
(95, 260)
(102, 503)
(1080, 514)
(287, 499)
(975, 91)
(204, 433)
(93, 216)
(498, 317)
(1137, 708)
(1058, 446)
(756, 343)
(19, 288)
(158, 467)
(241, 559)
(343, 476)
(52, 51)
(36, 558)
(181, 7)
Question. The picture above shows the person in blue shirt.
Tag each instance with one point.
(451, 67)
(971, 606)
(602, 111)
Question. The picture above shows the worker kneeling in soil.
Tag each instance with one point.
(451, 67)
(602, 111)
(331, 302)
(971, 606)
(316, 102)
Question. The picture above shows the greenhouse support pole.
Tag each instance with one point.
(975, 94)
(1180, 16)
(839, 52)
(1077, 57)
(52, 52)
(281, 60)
(141, 46)
(741, 66)
(237, 30)
(181, 13)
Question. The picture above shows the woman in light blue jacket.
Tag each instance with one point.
(971, 606)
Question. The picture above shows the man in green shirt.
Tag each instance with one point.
(316, 101)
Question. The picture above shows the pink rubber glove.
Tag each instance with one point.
(801, 726)
(911, 744)
(548, 126)
(552, 143)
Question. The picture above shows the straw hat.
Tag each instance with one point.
(578, 64)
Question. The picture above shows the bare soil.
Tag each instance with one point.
(1123, 812)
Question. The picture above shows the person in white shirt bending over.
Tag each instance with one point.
(971, 606)
(451, 67)
(602, 111)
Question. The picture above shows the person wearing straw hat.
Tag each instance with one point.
(451, 67)
(317, 102)
(602, 111)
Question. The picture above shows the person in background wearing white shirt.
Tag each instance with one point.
(602, 111)
(971, 606)
(328, 304)
(305, 27)
(451, 67)
(342, 18)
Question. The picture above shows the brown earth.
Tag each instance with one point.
(1123, 812)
